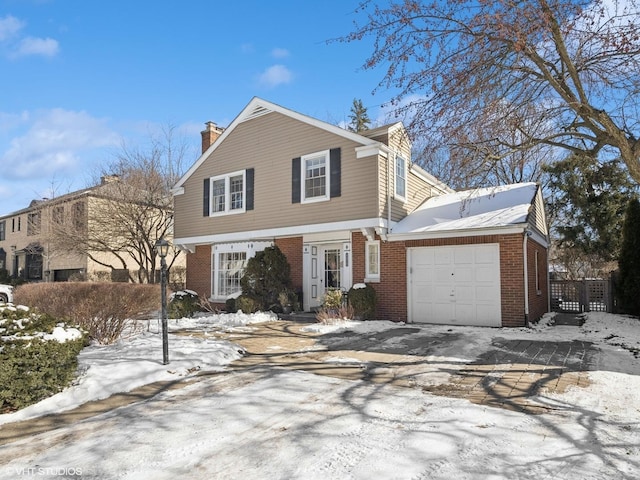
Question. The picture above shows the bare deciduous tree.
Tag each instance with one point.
(119, 224)
(559, 73)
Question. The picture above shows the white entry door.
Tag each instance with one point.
(457, 285)
(325, 266)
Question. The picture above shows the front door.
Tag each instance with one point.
(327, 266)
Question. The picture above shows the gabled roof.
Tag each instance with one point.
(482, 208)
(258, 107)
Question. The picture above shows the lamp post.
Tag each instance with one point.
(162, 247)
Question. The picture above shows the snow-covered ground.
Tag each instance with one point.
(282, 424)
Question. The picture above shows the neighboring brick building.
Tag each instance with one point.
(349, 208)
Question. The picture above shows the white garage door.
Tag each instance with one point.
(458, 285)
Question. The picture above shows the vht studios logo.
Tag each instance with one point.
(49, 471)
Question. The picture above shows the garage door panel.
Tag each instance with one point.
(425, 293)
(485, 254)
(486, 315)
(485, 274)
(444, 256)
(485, 293)
(463, 256)
(442, 275)
(465, 293)
(463, 274)
(441, 313)
(461, 286)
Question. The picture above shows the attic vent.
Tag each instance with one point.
(258, 111)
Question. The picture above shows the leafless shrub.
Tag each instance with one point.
(329, 316)
(104, 310)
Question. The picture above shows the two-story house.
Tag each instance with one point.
(348, 208)
(56, 240)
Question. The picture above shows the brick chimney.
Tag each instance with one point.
(210, 134)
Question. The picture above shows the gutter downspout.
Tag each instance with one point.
(526, 234)
(390, 159)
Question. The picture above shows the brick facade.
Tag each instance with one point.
(199, 271)
(538, 297)
(392, 289)
(292, 248)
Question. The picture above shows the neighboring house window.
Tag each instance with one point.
(372, 260)
(401, 178)
(3, 226)
(79, 221)
(316, 177)
(15, 224)
(33, 223)
(229, 270)
(228, 193)
(58, 215)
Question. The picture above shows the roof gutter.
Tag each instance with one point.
(471, 232)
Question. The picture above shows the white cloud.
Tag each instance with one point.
(56, 142)
(9, 27)
(280, 53)
(275, 75)
(15, 45)
(47, 47)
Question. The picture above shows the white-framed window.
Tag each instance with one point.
(401, 178)
(228, 193)
(229, 270)
(228, 264)
(315, 177)
(372, 261)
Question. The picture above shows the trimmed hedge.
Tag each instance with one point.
(362, 297)
(35, 363)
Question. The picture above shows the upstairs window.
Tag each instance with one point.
(315, 179)
(401, 178)
(231, 193)
(33, 223)
(58, 215)
(79, 216)
(3, 227)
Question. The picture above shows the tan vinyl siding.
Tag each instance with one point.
(268, 144)
(418, 190)
(537, 216)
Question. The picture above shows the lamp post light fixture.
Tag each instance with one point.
(162, 247)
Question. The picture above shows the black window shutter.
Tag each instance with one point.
(205, 198)
(249, 174)
(335, 165)
(296, 165)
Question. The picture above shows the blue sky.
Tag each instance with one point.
(79, 77)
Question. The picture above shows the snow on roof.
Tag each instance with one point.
(489, 207)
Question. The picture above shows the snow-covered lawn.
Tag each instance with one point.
(283, 424)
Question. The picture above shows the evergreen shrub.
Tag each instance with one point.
(230, 305)
(266, 275)
(184, 304)
(247, 304)
(38, 356)
(362, 297)
(628, 287)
